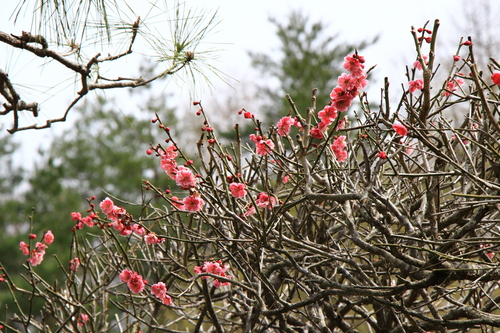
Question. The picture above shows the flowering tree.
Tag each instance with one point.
(389, 224)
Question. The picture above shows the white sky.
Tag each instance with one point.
(244, 26)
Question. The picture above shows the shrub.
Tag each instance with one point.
(385, 222)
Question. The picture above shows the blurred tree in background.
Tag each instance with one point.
(481, 23)
(10, 175)
(310, 57)
(104, 151)
(11, 209)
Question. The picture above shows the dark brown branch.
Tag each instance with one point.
(20, 44)
(24, 42)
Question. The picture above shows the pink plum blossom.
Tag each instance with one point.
(316, 133)
(87, 220)
(169, 153)
(284, 125)
(170, 167)
(265, 200)
(138, 229)
(354, 64)
(107, 206)
(151, 238)
(216, 268)
(116, 213)
(338, 148)
(400, 129)
(40, 247)
(193, 203)
(418, 65)
(177, 202)
(185, 178)
(74, 264)
(167, 300)
(453, 85)
(328, 113)
(346, 82)
(24, 248)
(237, 190)
(125, 275)
(360, 82)
(342, 104)
(36, 258)
(342, 122)
(415, 85)
(160, 291)
(264, 147)
(251, 210)
(136, 283)
(323, 126)
(255, 138)
(82, 321)
(48, 238)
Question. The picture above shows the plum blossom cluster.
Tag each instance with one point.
(74, 264)
(338, 148)
(349, 85)
(136, 284)
(82, 321)
(183, 177)
(37, 254)
(134, 281)
(160, 291)
(262, 146)
(453, 84)
(424, 31)
(415, 85)
(88, 220)
(121, 221)
(285, 124)
(418, 84)
(216, 268)
(263, 201)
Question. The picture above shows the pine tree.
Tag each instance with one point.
(310, 57)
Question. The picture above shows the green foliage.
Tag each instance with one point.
(310, 58)
(104, 151)
(10, 175)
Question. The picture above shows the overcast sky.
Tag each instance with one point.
(244, 26)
